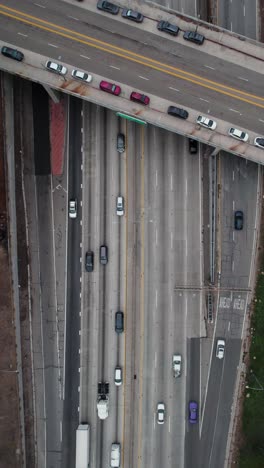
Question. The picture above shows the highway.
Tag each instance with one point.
(158, 270)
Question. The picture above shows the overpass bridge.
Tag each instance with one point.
(222, 79)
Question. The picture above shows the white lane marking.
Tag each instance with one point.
(260, 120)
(205, 100)
(154, 422)
(171, 182)
(80, 279)
(211, 68)
(171, 239)
(233, 175)
(143, 78)
(85, 56)
(156, 237)
(234, 110)
(73, 17)
(228, 328)
(241, 78)
(112, 66)
(40, 6)
(24, 35)
(233, 205)
(156, 298)
(155, 359)
(233, 236)
(81, 203)
(156, 178)
(244, 10)
(173, 89)
(169, 424)
(60, 430)
(186, 187)
(233, 265)
(231, 26)
(53, 45)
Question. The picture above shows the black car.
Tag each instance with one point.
(119, 322)
(132, 15)
(178, 112)
(108, 7)
(89, 261)
(239, 220)
(193, 146)
(12, 53)
(193, 37)
(168, 28)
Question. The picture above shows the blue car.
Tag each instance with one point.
(193, 412)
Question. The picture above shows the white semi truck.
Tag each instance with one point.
(82, 459)
(103, 400)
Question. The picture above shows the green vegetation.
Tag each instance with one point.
(252, 450)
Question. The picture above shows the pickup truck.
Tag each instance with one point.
(176, 365)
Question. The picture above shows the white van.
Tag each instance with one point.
(115, 455)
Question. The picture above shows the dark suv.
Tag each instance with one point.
(103, 254)
(178, 112)
(89, 261)
(167, 27)
(108, 7)
(132, 15)
(119, 322)
(193, 37)
(12, 53)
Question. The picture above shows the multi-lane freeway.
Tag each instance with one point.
(175, 245)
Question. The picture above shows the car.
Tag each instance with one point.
(259, 141)
(119, 322)
(220, 348)
(108, 7)
(178, 112)
(73, 208)
(193, 146)
(89, 261)
(137, 97)
(110, 88)
(120, 206)
(132, 15)
(193, 412)
(118, 376)
(239, 220)
(82, 76)
(103, 254)
(193, 36)
(12, 53)
(120, 143)
(238, 134)
(167, 27)
(205, 122)
(56, 67)
(160, 413)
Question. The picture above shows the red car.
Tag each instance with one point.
(137, 97)
(110, 88)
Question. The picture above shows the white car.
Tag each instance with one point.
(160, 413)
(205, 122)
(73, 208)
(220, 349)
(56, 67)
(82, 76)
(259, 141)
(238, 134)
(120, 206)
(118, 376)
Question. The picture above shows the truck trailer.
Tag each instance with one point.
(82, 446)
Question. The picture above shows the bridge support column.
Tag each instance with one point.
(53, 94)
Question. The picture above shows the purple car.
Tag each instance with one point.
(193, 412)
